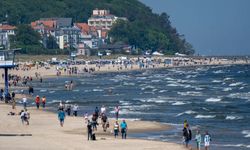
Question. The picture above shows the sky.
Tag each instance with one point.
(213, 27)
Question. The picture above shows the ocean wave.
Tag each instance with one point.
(43, 90)
(97, 90)
(227, 89)
(240, 95)
(128, 84)
(231, 117)
(236, 84)
(51, 92)
(155, 81)
(246, 133)
(227, 79)
(234, 145)
(213, 100)
(205, 116)
(218, 71)
(217, 81)
(170, 79)
(178, 103)
(199, 88)
(162, 91)
(189, 112)
(190, 93)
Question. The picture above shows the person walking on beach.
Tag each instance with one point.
(44, 101)
(117, 109)
(198, 140)
(24, 102)
(86, 117)
(116, 128)
(68, 109)
(207, 139)
(89, 128)
(61, 117)
(75, 109)
(27, 117)
(103, 110)
(187, 134)
(97, 111)
(124, 128)
(37, 101)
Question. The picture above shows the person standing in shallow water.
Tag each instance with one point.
(37, 100)
(61, 117)
(198, 140)
(44, 101)
(187, 134)
(124, 128)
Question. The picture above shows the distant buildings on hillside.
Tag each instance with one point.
(81, 36)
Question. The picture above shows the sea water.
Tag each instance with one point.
(211, 98)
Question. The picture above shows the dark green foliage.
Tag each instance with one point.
(144, 30)
(51, 43)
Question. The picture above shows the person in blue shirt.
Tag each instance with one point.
(124, 128)
(61, 117)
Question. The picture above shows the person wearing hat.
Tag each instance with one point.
(37, 100)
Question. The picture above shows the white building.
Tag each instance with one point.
(102, 19)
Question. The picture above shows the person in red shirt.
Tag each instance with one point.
(37, 101)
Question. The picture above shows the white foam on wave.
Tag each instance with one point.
(227, 79)
(155, 81)
(213, 100)
(236, 84)
(231, 117)
(240, 95)
(190, 93)
(199, 88)
(51, 92)
(170, 79)
(152, 100)
(217, 81)
(205, 116)
(162, 91)
(178, 103)
(218, 72)
(97, 90)
(227, 89)
(43, 90)
(235, 145)
(246, 133)
(128, 84)
(189, 112)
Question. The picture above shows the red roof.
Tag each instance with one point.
(7, 27)
(84, 27)
(45, 23)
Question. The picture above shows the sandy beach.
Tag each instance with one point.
(44, 132)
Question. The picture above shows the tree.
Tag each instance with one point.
(25, 35)
(51, 43)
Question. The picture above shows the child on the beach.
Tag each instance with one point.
(198, 140)
(207, 140)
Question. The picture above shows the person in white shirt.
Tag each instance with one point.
(117, 109)
(103, 110)
(207, 140)
(24, 102)
(75, 109)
